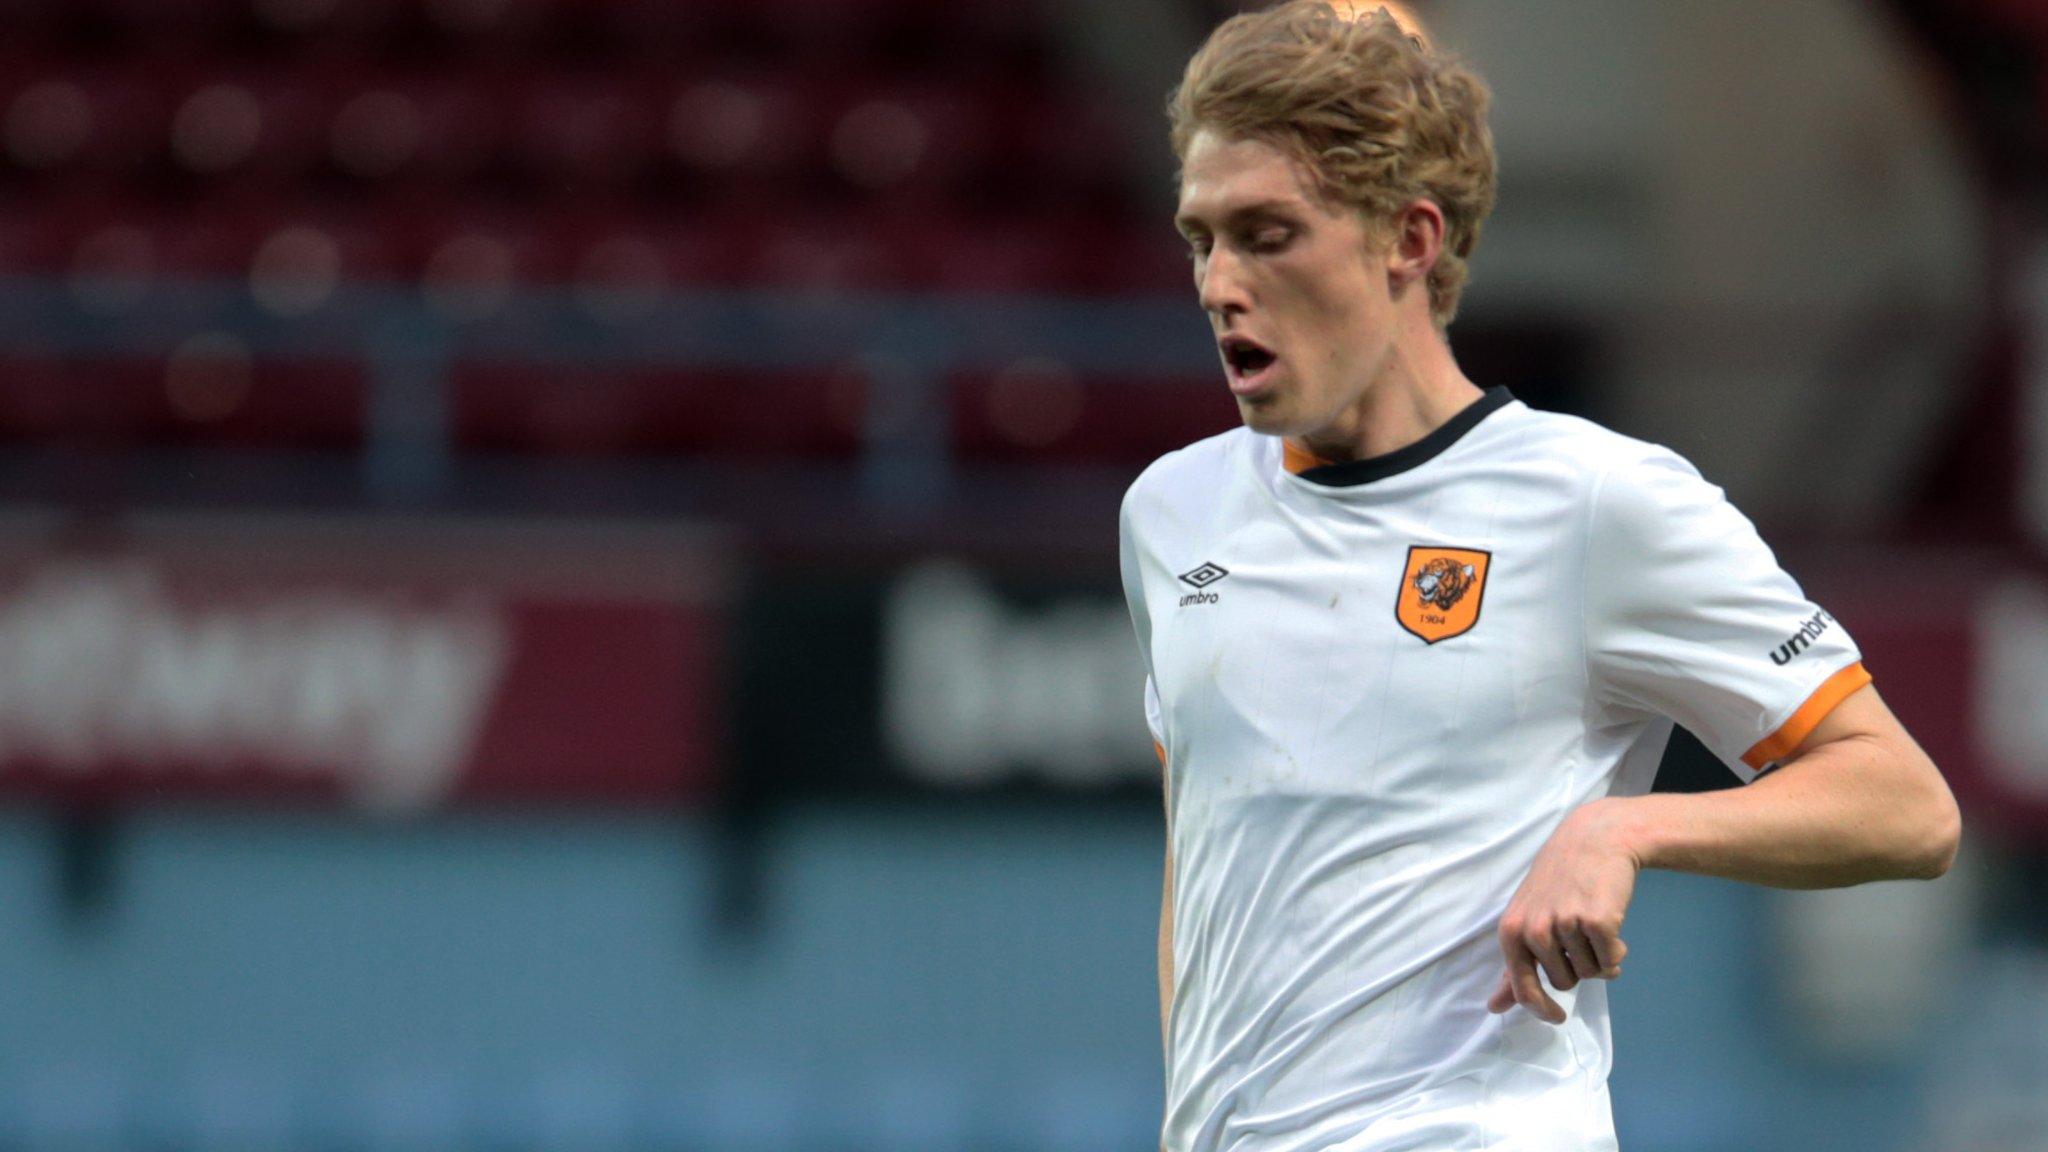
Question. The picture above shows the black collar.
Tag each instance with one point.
(1354, 472)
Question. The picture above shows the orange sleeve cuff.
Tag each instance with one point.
(1801, 723)
(1159, 750)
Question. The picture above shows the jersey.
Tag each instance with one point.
(1378, 687)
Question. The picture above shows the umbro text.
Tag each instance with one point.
(1198, 598)
(1803, 639)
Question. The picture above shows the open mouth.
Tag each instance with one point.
(1247, 361)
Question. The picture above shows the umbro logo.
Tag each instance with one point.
(1200, 579)
(1809, 631)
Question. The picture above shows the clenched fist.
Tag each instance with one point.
(1566, 917)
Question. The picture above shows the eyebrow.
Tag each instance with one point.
(1256, 208)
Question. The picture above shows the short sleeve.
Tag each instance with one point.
(1155, 719)
(1689, 615)
(1141, 624)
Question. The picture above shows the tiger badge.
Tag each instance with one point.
(1441, 591)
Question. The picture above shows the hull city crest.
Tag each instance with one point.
(1441, 591)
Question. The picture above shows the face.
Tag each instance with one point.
(1295, 288)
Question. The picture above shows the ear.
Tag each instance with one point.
(1418, 239)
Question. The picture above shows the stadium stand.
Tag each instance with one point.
(617, 150)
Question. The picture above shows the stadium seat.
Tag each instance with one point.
(304, 254)
(38, 233)
(209, 390)
(576, 132)
(215, 395)
(618, 151)
(488, 22)
(859, 22)
(991, 254)
(332, 22)
(827, 253)
(2028, 16)
(523, 408)
(28, 18)
(469, 262)
(62, 113)
(107, 253)
(230, 121)
(114, 254)
(162, 22)
(37, 404)
(623, 265)
(441, 126)
(656, 29)
(1144, 258)
(904, 140)
(1061, 143)
(46, 118)
(1042, 410)
(742, 130)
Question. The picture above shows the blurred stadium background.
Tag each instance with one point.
(557, 572)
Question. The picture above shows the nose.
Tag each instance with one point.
(1221, 284)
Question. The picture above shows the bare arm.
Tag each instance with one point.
(1857, 801)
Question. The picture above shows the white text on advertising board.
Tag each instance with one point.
(101, 667)
(976, 689)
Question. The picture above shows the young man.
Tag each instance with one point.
(1415, 649)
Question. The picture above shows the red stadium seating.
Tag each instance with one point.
(234, 121)
(576, 131)
(1039, 409)
(36, 235)
(491, 22)
(1146, 259)
(621, 150)
(908, 141)
(162, 21)
(62, 114)
(993, 254)
(445, 125)
(827, 253)
(210, 390)
(1069, 141)
(29, 17)
(742, 130)
(2029, 16)
(585, 411)
(625, 255)
(330, 21)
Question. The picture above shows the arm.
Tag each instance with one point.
(1857, 801)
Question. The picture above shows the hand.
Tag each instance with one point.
(1566, 917)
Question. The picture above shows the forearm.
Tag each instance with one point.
(1847, 812)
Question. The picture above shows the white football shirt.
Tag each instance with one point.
(1378, 687)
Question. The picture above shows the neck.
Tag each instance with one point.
(1413, 393)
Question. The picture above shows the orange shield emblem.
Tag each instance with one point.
(1441, 591)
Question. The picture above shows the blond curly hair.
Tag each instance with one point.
(1377, 115)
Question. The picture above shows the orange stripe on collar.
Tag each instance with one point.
(1297, 459)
